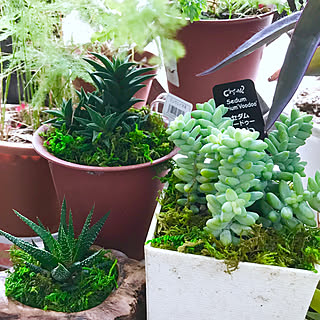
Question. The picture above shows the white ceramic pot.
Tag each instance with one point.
(191, 287)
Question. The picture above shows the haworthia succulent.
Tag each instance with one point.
(63, 256)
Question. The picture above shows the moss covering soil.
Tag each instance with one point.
(85, 290)
(147, 142)
(181, 230)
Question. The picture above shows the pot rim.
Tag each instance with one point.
(228, 21)
(17, 148)
(37, 142)
(203, 259)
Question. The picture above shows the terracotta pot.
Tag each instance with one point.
(207, 42)
(142, 94)
(26, 186)
(128, 192)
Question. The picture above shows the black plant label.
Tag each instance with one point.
(240, 97)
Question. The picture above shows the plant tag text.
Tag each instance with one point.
(174, 106)
(240, 97)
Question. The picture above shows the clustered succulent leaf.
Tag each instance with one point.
(99, 113)
(64, 256)
(240, 179)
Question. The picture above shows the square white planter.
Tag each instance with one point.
(191, 287)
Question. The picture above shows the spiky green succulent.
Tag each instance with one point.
(64, 256)
(99, 113)
(242, 180)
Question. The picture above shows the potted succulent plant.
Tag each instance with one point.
(103, 152)
(215, 29)
(302, 58)
(235, 198)
(65, 274)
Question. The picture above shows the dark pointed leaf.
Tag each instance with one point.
(95, 117)
(270, 33)
(95, 65)
(44, 234)
(79, 252)
(46, 259)
(71, 229)
(141, 79)
(303, 44)
(107, 63)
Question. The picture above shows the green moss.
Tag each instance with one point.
(147, 142)
(85, 290)
(179, 229)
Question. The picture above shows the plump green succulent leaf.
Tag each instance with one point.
(60, 273)
(302, 47)
(266, 35)
(47, 260)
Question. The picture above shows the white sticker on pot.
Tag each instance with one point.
(172, 73)
(174, 106)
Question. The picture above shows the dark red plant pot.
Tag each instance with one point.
(128, 192)
(207, 42)
(26, 186)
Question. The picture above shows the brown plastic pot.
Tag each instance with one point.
(26, 186)
(128, 192)
(207, 42)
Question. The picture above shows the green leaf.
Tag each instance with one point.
(95, 117)
(94, 231)
(81, 242)
(141, 79)
(88, 261)
(303, 44)
(135, 72)
(66, 248)
(123, 69)
(107, 63)
(266, 35)
(45, 235)
(70, 233)
(47, 260)
(95, 64)
(60, 273)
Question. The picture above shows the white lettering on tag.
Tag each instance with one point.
(174, 106)
(172, 73)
